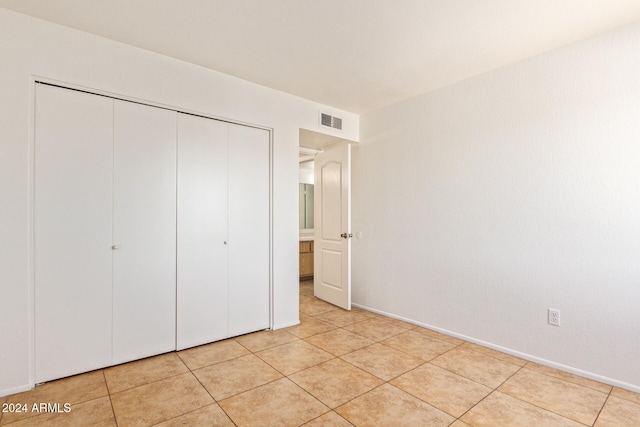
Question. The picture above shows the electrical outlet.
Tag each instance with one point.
(554, 317)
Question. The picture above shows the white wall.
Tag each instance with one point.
(30, 47)
(487, 202)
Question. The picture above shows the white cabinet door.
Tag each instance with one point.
(72, 231)
(144, 229)
(202, 231)
(249, 232)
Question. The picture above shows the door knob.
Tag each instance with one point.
(346, 235)
(115, 247)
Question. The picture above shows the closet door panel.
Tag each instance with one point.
(144, 230)
(202, 231)
(249, 218)
(72, 232)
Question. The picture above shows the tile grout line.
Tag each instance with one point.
(388, 382)
(215, 401)
(486, 355)
(568, 380)
(495, 389)
(336, 327)
(533, 404)
(251, 353)
(145, 384)
(520, 367)
(602, 408)
(113, 411)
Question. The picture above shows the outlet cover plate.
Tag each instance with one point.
(554, 317)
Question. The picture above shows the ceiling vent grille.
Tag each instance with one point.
(330, 121)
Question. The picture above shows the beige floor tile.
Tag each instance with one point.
(209, 354)
(310, 326)
(570, 400)
(280, 403)
(211, 415)
(311, 305)
(159, 401)
(439, 336)
(235, 376)
(604, 388)
(2, 400)
(398, 322)
(445, 390)
(376, 329)
(145, 371)
(343, 318)
(499, 409)
(476, 366)
(335, 382)
(72, 390)
(339, 341)
(432, 377)
(494, 353)
(330, 419)
(265, 339)
(619, 412)
(626, 394)
(358, 310)
(294, 356)
(390, 406)
(306, 287)
(418, 345)
(380, 316)
(382, 361)
(95, 412)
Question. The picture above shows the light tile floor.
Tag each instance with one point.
(336, 368)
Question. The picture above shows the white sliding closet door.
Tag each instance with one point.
(72, 231)
(249, 234)
(202, 231)
(144, 230)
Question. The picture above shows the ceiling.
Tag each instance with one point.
(356, 55)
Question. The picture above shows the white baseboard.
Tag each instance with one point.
(14, 390)
(285, 325)
(525, 356)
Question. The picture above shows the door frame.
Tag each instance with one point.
(310, 143)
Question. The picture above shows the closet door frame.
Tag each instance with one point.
(33, 82)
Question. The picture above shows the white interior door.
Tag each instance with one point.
(249, 232)
(202, 231)
(72, 231)
(332, 226)
(144, 231)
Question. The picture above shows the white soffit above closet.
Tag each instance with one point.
(356, 55)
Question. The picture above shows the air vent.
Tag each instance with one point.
(325, 119)
(330, 121)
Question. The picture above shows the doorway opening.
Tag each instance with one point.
(324, 217)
